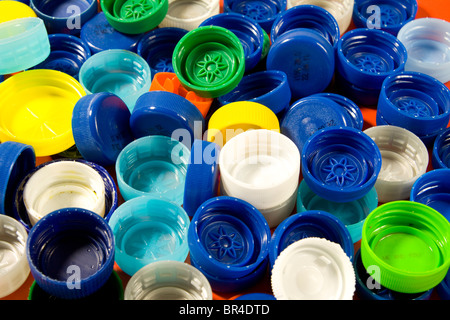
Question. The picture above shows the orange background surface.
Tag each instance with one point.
(426, 8)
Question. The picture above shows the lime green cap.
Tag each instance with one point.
(209, 60)
(405, 246)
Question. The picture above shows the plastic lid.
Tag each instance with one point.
(443, 288)
(268, 87)
(255, 296)
(440, 153)
(361, 96)
(340, 164)
(264, 12)
(406, 242)
(237, 117)
(122, 72)
(188, 15)
(23, 44)
(101, 127)
(14, 269)
(427, 43)
(209, 60)
(100, 36)
(310, 224)
(415, 101)
(148, 229)
(10, 10)
(306, 57)
(202, 175)
(28, 102)
(392, 15)
(153, 165)
(167, 114)
(433, 189)
(341, 10)
(310, 114)
(313, 269)
(134, 16)
(246, 29)
(352, 214)
(168, 280)
(67, 242)
(365, 57)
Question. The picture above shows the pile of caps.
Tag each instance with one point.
(203, 145)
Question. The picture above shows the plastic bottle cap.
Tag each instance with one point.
(246, 29)
(167, 114)
(29, 100)
(117, 71)
(261, 167)
(168, 280)
(310, 114)
(310, 224)
(14, 269)
(440, 153)
(134, 16)
(255, 296)
(188, 15)
(341, 10)
(23, 44)
(101, 127)
(313, 269)
(416, 231)
(66, 16)
(393, 15)
(153, 165)
(202, 175)
(61, 185)
(443, 288)
(209, 60)
(306, 57)
(426, 41)
(268, 87)
(100, 36)
(148, 229)
(404, 159)
(264, 12)
(340, 164)
(352, 214)
(11, 10)
(237, 117)
(361, 96)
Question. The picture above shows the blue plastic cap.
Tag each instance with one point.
(443, 288)
(100, 36)
(2, 78)
(256, 296)
(440, 155)
(264, 12)
(70, 242)
(167, 114)
(157, 47)
(361, 96)
(202, 175)
(269, 88)
(387, 15)
(248, 31)
(101, 127)
(311, 114)
(340, 164)
(16, 161)
(306, 57)
(314, 223)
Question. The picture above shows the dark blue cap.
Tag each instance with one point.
(443, 288)
(306, 57)
(440, 156)
(256, 296)
(16, 161)
(101, 127)
(2, 78)
(314, 223)
(202, 175)
(361, 96)
(100, 35)
(167, 114)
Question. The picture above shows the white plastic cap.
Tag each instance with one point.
(14, 268)
(188, 14)
(427, 41)
(313, 269)
(404, 159)
(341, 10)
(63, 184)
(168, 280)
(261, 167)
